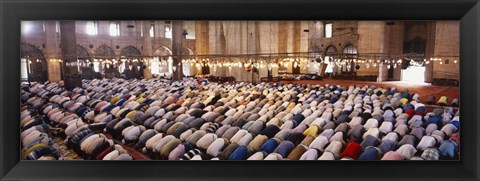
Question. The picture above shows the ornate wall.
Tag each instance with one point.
(49, 40)
(253, 37)
(250, 37)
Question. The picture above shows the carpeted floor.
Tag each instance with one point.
(423, 89)
(68, 154)
(139, 120)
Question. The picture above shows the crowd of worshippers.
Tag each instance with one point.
(43, 117)
(195, 119)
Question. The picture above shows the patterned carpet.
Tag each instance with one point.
(68, 154)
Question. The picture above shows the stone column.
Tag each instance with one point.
(371, 40)
(201, 42)
(52, 51)
(303, 43)
(447, 43)
(177, 48)
(147, 44)
(68, 41)
(430, 51)
(383, 72)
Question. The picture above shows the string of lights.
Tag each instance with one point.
(262, 60)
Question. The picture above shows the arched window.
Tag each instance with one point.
(350, 50)
(329, 58)
(82, 57)
(160, 66)
(314, 64)
(34, 64)
(82, 53)
(132, 69)
(130, 51)
(103, 52)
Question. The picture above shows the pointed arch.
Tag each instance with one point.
(132, 69)
(33, 62)
(330, 52)
(130, 51)
(163, 51)
(162, 64)
(188, 51)
(82, 53)
(350, 50)
(31, 51)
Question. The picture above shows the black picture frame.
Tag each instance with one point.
(13, 11)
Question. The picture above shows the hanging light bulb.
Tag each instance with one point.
(394, 66)
(388, 66)
(455, 61)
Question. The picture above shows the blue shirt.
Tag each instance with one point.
(448, 148)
